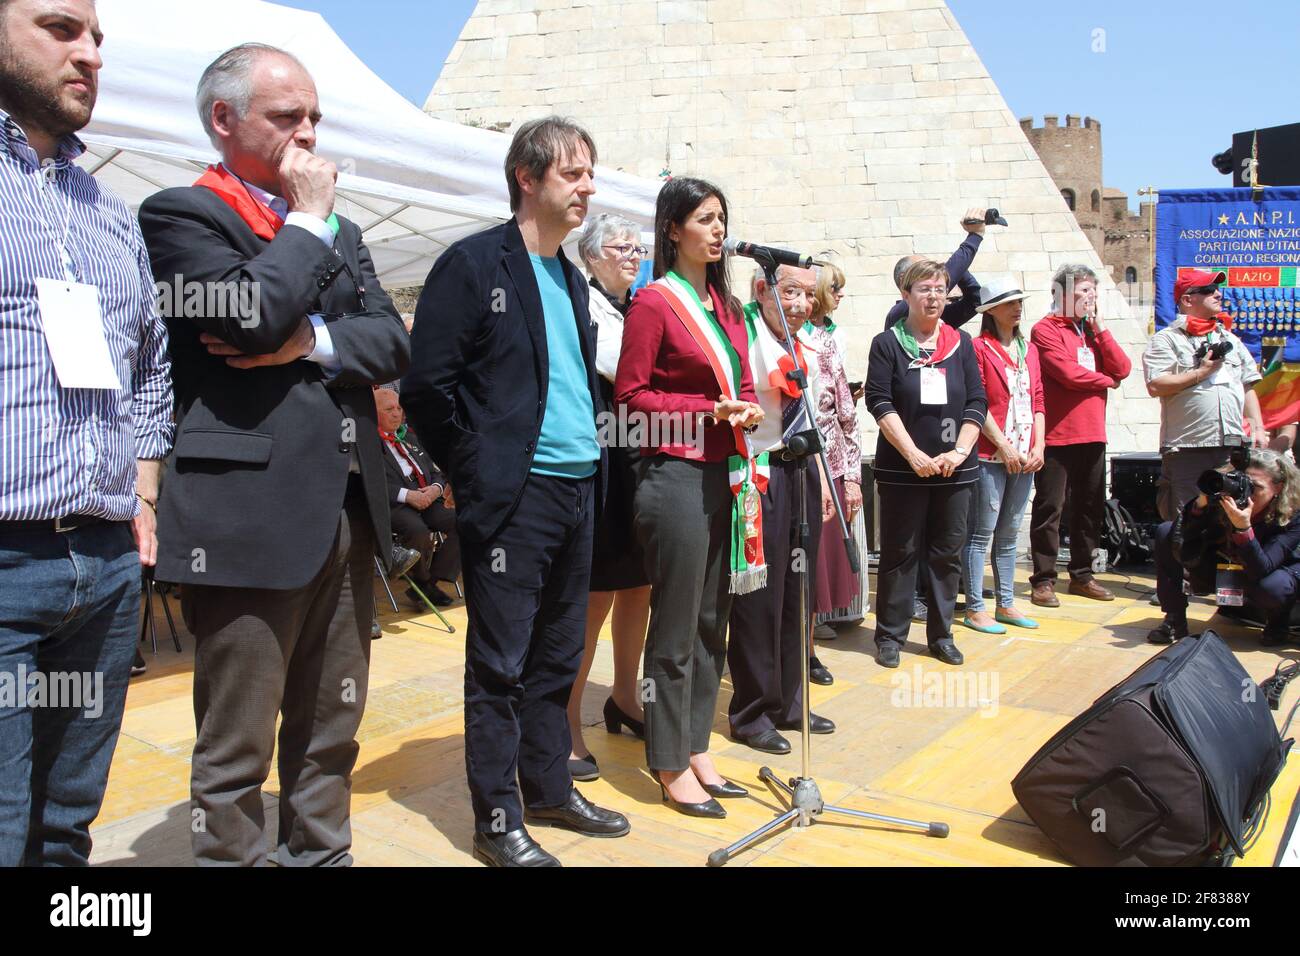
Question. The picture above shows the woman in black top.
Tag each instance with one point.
(925, 391)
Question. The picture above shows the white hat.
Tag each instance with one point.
(999, 289)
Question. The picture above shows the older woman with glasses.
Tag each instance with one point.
(611, 251)
(925, 391)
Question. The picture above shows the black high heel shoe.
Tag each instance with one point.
(709, 808)
(615, 720)
(725, 789)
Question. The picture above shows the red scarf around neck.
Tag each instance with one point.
(256, 215)
(1197, 326)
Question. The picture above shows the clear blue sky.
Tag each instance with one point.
(1174, 82)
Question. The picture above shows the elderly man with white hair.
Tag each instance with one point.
(764, 649)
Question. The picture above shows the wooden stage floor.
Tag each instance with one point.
(897, 749)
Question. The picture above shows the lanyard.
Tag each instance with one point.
(913, 348)
(48, 172)
(1018, 343)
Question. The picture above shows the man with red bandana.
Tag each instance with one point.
(1204, 401)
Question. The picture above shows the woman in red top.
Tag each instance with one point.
(1010, 451)
(684, 376)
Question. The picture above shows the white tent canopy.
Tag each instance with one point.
(414, 184)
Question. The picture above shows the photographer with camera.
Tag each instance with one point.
(1236, 539)
(1203, 376)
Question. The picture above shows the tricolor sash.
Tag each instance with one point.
(746, 474)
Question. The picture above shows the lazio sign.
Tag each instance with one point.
(1252, 236)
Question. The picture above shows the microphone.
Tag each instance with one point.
(766, 254)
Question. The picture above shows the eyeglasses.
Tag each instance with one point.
(626, 250)
(931, 292)
(1203, 290)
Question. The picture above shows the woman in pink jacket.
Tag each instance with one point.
(1010, 451)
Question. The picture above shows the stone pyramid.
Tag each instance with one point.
(866, 127)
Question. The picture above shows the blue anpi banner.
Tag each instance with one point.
(1254, 237)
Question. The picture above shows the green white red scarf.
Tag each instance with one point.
(747, 478)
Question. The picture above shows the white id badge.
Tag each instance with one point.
(74, 334)
(934, 386)
(1087, 359)
(1024, 412)
(1223, 375)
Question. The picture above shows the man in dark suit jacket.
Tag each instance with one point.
(276, 498)
(503, 391)
(417, 494)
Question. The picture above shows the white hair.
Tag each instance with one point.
(226, 79)
(600, 230)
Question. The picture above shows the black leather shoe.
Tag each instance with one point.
(920, 611)
(1167, 632)
(584, 768)
(515, 848)
(708, 808)
(818, 674)
(768, 742)
(947, 652)
(582, 816)
(138, 666)
(816, 725)
(725, 790)
(887, 653)
(436, 597)
(403, 560)
(615, 720)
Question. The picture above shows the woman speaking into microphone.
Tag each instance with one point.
(684, 369)
(924, 389)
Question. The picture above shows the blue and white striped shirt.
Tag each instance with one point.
(73, 451)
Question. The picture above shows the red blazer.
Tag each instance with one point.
(1076, 397)
(661, 369)
(993, 372)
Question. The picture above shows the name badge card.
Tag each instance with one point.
(1230, 585)
(1020, 385)
(1222, 375)
(1087, 359)
(74, 334)
(934, 386)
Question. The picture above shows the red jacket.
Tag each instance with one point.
(661, 369)
(993, 372)
(1076, 397)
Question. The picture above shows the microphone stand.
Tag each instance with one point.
(806, 805)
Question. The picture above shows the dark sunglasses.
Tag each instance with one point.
(1203, 290)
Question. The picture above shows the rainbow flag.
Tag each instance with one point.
(1279, 394)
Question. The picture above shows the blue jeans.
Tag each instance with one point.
(999, 506)
(69, 608)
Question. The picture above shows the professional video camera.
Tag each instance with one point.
(1218, 351)
(1235, 484)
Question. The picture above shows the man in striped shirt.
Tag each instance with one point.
(81, 441)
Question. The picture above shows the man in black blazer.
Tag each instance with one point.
(503, 391)
(276, 498)
(417, 493)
